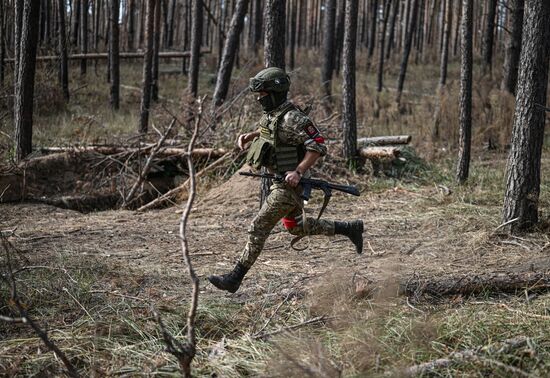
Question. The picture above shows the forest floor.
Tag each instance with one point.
(94, 279)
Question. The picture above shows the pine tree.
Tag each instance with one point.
(465, 121)
(24, 78)
(521, 197)
(349, 117)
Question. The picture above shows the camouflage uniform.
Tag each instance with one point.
(284, 201)
(286, 134)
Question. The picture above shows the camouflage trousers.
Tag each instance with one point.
(283, 202)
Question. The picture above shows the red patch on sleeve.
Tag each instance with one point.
(319, 140)
(311, 131)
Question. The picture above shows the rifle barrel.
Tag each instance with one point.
(314, 182)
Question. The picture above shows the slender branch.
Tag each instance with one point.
(128, 199)
(26, 319)
(183, 227)
(543, 107)
(172, 192)
(185, 352)
(318, 319)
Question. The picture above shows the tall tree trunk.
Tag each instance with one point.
(372, 33)
(443, 68)
(274, 55)
(2, 40)
(274, 43)
(258, 25)
(445, 49)
(407, 51)
(391, 42)
(488, 36)
(349, 118)
(186, 35)
(340, 17)
(24, 83)
(83, 35)
(147, 66)
(457, 28)
(465, 120)
(171, 18)
(432, 21)
(156, 49)
(328, 51)
(97, 15)
(75, 14)
(130, 35)
(114, 61)
(196, 38)
(18, 25)
(62, 43)
(521, 197)
(293, 24)
(380, 76)
(229, 50)
(513, 47)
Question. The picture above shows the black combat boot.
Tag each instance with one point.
(353, 230)
(230, 281)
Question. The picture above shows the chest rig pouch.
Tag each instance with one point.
(269, 151)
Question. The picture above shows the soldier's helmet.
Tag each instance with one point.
(270, 79)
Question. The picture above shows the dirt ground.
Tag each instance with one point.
(406, 232)
(411, 230)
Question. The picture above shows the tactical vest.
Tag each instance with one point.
(269, 151)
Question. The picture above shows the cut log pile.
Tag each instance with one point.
(382, 147)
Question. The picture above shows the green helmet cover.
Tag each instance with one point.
(272, 79)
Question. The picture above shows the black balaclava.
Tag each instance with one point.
(272, 100)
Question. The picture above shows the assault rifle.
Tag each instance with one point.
(308, 184)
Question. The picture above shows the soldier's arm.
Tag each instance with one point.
(300, 129)
(243, 139)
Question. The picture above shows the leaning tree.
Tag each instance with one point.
(229, 52)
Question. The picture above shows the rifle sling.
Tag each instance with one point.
(326, 200)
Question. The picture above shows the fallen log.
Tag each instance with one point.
(112, 150)
(476, 355)
(467, 284)
(378, 153)
(123, 55)
(82, 203)
(385, 140)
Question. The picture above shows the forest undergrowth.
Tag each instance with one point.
(291, 320)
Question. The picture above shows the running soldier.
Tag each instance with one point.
(288, 143)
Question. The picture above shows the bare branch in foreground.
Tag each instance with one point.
(24, 317)
(143, 174)
(185, 352)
